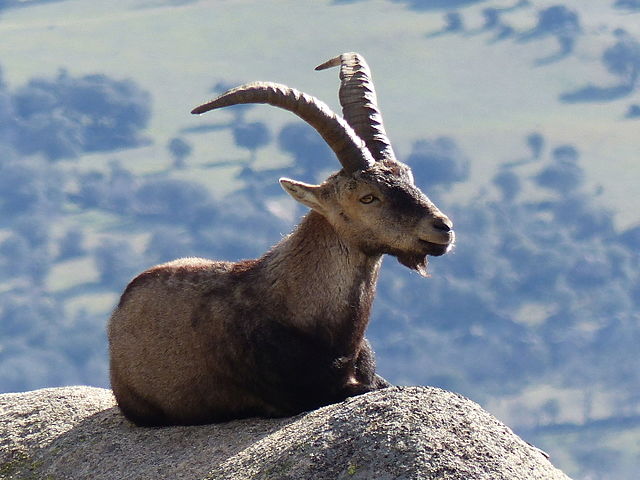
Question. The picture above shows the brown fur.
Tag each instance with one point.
(195, 341)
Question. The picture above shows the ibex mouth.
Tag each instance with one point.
(435, 249)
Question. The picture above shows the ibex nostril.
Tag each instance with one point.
(442, 224)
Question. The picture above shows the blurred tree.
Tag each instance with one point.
(633, 111)
(116, 262)
(564, 174)
(39, 266)
(115, 191)
(627, 4)
(311, 154)
(491, 18)
(30, 186)
(594, 461)
(422, 5)
(595, 93)
(171, 200)
(35, 229)
(453, 24)
(168, 243)
(121, 189)
(25, 367)
(550, 410)
(14, 256)
(28, 315)
(7, 4)
(508, 183)
(623, 58)
(560, 22)
(26, 252)
(589, 272)
(576, 212)
(72, 244)
(251, 136)
(630, 238)
(69, 115)
(492, 15)
(179, 150)
(438, 162)
(52, 133)
(6, 115)
(92, 189)
(535, 142)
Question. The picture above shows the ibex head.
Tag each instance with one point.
(372, 202)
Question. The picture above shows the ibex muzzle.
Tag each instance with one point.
(196, 341)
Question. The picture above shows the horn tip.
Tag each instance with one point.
(334, 62)
(201, 109)
(337, 61)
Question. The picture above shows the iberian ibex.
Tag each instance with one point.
(196, 341)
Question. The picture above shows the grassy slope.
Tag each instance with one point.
(488, 96)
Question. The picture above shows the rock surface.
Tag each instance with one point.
(398, 433)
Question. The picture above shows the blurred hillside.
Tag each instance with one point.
(519, 119)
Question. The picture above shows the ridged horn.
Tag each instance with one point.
(360, 104)
(341, 138)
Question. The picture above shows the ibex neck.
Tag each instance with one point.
(322, 280)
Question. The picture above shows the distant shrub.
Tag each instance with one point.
(311, 154)
(438, 162)
(168, 243)
(420, 5)
(628, 4)
(508, 183)
(114, 192)
(251, 136)
(66, 116)
(564, 174)
(558, 20)
(179, 150)
(71, 245)
(171, 200)
(535, 141)
(30, 187)
(623, 58)
(116, 262)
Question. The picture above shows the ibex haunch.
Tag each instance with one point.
(197, 341)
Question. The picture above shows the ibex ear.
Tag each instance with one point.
(304, 193)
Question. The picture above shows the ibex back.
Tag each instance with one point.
(196, 341)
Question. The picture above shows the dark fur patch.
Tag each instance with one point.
(293, 368)
(152, 416)
(299, 371)
(243, 266)
(142, 279)
(417, 262)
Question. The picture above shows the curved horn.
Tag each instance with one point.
(360, 104)
(345, 143)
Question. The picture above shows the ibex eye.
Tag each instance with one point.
(367, 199)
